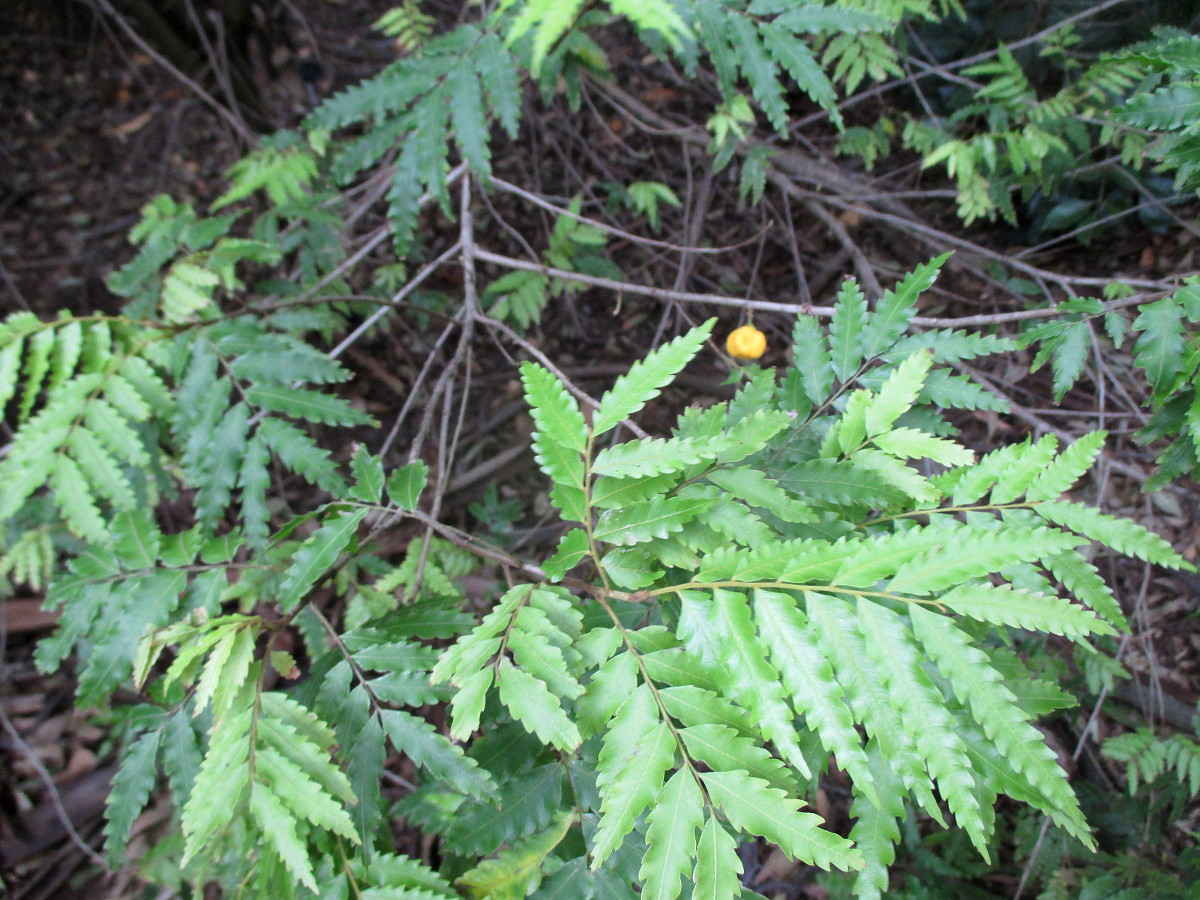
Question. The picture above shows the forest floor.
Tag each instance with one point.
(91, 127)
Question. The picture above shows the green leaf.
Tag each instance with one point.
(795, 57)
(535, 707)
(469, 119)
(522, 805)
(420, 741)
(671, 837)
(717, 863)
(368, 476)
(647, 520)
(846, 330)
(1035, 612)
(723, 749)
(405, 484)
(317, 555)
(278, 828)
(312, 406)
(976, 554)
(1159, 347)
(753, 806)
(1082, 579)
(898, 393)
(1059, 475)
(654, 456)
(302, 795)
(131, 789)
(498, 74)
(923, 711)
(809, 679)
(908, 443)
(753, 681)
(810, 357)
(555, 411)
(638, 750)
(897, 306)
(841, 483)
(753, 488)
(572, 548)
(1122, 535)
(981, 688)
(517, 870)
(647, 377)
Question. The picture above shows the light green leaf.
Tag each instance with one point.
(809, 679)
(278, 828)
(1122, 535)
(536, 708)
(977, 555)
(638, 750)
(753, 806)
(555, 411)
(671, 837)
(647, 520)
(647, 377)
(1036, 612)
(846, 330)
(898, 393)
(908, 443)
(717, 863)
(405, 484)
(1059, 475)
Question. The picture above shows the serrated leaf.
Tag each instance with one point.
(671, 837)
(421, 742)
(647, 520)
(278, 828)
(647, 377)
(312, 406)
(303, 796)
(368, 476)
(753, 681)
(717, 863)
(469, 119)
(1020, 609)
(535, 707)
(405, 484)
(976, 554)
(654, 456)
(908, 443)
(515, 871)
(981, 688)
(131, 788)
(316, 555)
(554, 410)
(846, 330)
(638, 750)
(809, 678)
(898, 393)
(1122, 535)
(841, 483)
(521, 806)
(1082, 579)
(753, 806)
(897, 306)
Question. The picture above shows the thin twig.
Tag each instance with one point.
(51, 790)
(789, 308)
(232, 120)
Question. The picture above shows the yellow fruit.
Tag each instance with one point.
(746, 342)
